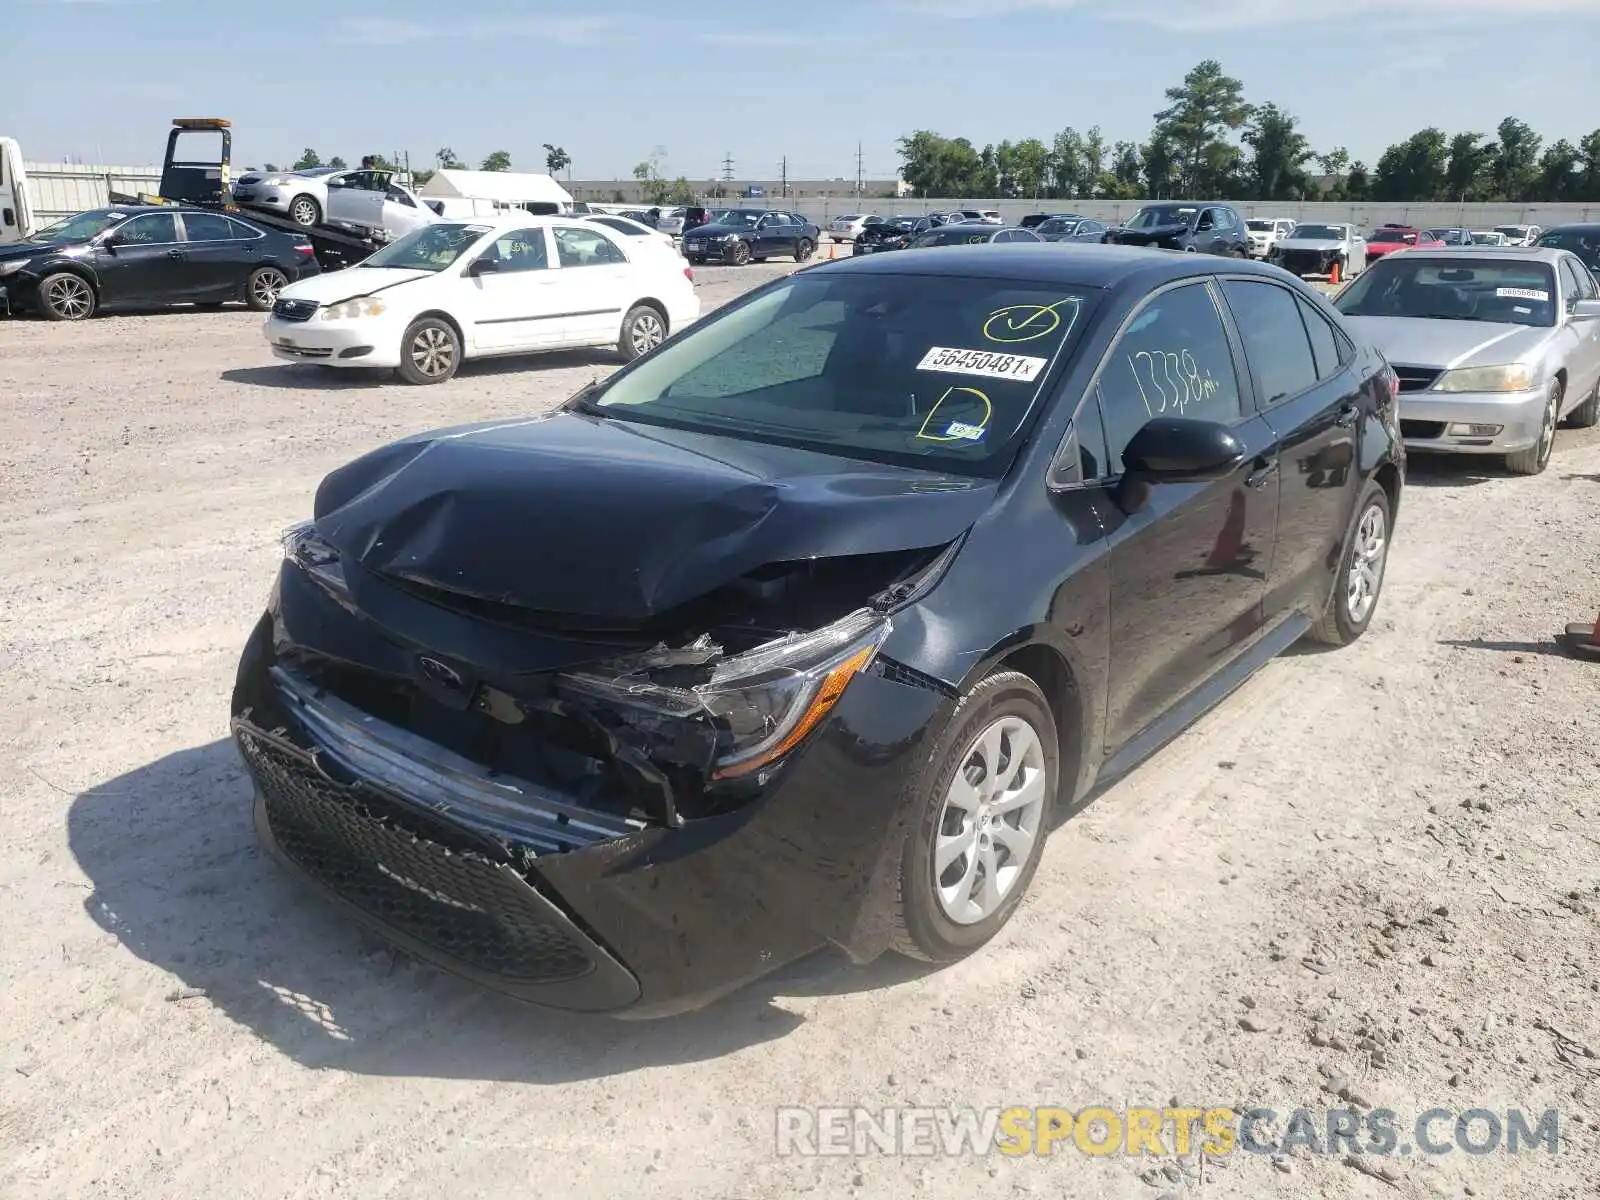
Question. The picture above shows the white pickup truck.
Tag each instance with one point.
(1265, 234)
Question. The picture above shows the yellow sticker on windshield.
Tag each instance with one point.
(1028, 322)
(958, 398)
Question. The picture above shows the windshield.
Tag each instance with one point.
(916, 370)
(1156, 215)
(1511, 231)
(1330, 233)
(1512, 293)
(1055, 225)
(1392, 235)
(736, 216)
(1259, 226)
(79, 228)
(1585, 243)
(954, 235)
(431, 248)
(1485, 238)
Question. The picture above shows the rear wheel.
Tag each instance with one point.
(643, 329)
(1361, 569)
(262, 288)
(1536, 457)
(430, 351)
(66, 297)
(981, 815)
(305, 212)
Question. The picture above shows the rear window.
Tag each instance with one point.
(1331, 233)
(916, 370)
(1512, 293)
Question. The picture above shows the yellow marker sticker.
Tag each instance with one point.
(958, 431)
(1027, 322)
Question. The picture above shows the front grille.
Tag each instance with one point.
(1421, 430)
(1417, 379)
(461, 903)
(293, 310)
(1303, 262)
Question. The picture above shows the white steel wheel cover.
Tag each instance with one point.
(433, 351)
(1367, 558)
(646, 332)
(993, 812)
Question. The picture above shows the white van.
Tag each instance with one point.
(16, 210)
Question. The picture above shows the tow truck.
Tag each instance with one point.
(206, 183)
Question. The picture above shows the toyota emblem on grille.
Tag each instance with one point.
(439, 673)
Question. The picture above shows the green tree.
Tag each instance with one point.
(497, 160)
(337, 163)
(556, 159)
(307, 160)
(1205, 108)
(1279, 153)
(1335, 166)
(1066, 163)
(1091, 185)
(1124, 179)
(1413, 170)
(1160, 166)
(1467, 168)
(655, 188)
(682, 192)
(1559, 180)
(1358, 183)
(1589, 167)
(447, 160)
(939, 166)
(1516, 160)
(1032, 167)
(420, 178)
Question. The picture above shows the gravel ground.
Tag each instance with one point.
(1374, 870)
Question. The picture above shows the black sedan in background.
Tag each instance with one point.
(893, 233)
(972, 233)
(1582, 240)
(740, 235)
(1200, 228)
(1070, 229)
(619, 707)
(148, 256)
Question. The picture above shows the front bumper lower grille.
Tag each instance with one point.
(286, 309)
(465, 906)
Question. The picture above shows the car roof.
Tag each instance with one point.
(1095, 266)
(1575, 227)
(1544, 254)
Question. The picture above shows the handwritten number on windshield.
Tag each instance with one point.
(1027, 322)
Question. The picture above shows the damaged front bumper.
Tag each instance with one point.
(563, 899)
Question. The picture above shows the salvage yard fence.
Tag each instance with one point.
(58, 190)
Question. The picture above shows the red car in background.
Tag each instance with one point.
(1398, 237)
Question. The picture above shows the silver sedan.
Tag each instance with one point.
(1494, 346)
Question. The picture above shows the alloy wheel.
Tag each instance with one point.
(303, 211)
(1552, 418)
(647, 333)
(433, 351)
(69, 296)
(1367, 558)
(265, 287)
(992, 816)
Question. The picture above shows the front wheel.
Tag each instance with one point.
(982, 809)
(1536, 457)
(739, 253)
(430, 351)
(262, 288)
(66, 297)
(1361, 570)
(803, 250)
(643, 329)
(1586, 414)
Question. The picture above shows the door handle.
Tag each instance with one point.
(1266, 468)
(174, 253)
(1346, 416)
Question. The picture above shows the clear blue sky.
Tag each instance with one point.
(98, 80)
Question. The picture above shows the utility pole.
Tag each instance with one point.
(783, 175)
(860, 183)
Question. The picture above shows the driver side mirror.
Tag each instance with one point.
(1586, 310)
(483, 266)
(111, 241)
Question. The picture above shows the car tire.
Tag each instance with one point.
(430, 351)
(1586, 414)
(803, 249)
(1005, 706)
(698, 260)
(1365, 545)
(643, 329)
(66, 296)
(262, 288)
(1536, 457)
(738, 254)
(305, 212)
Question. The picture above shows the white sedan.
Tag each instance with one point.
(362, 199)
(498, 286)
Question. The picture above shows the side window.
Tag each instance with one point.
(1090, 428)
(396, 196)
(1173, 360)
(585, 248)
(208, 227)
(519, 250)
(1580, 284)
(1275, 339)
(1326, 346)
(1207, 219)
(153, 230)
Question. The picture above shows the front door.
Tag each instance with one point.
(518, 305)
(145, 262)
(1188, 568)
(1309, 388)
(356, 198)
(595, 285)
(1579, 284)
(219, 256)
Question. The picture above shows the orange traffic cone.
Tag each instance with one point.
(1333, 275)
(1583, 639)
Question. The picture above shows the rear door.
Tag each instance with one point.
(596, 281)
(1188, 568)
(146, 265)
(220, 254)
(1308, 386)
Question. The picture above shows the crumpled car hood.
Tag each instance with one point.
(575, 515)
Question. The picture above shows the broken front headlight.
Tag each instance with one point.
(760, 704)
(316, 557)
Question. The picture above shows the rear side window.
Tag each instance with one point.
(1326, 345)
(1173, 360)
(1275, 339)
(207, 227)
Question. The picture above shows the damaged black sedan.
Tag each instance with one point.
(801, 630)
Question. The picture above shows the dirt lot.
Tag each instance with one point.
(1380, 865)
